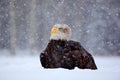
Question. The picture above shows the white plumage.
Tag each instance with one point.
(60, 32)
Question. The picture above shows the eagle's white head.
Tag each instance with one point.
(60, 32)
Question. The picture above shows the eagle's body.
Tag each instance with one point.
(64, 53)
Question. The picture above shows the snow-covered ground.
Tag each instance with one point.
(29, 68)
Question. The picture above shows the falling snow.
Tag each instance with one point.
(25, 30)
(95, 24)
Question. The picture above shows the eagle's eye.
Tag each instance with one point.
(60, 29)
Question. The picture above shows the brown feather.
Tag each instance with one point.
(66, 54)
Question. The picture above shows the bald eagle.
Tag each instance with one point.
(61, 52)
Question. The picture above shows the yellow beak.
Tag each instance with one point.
(53, 31)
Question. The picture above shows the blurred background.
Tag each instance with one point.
(25, 25)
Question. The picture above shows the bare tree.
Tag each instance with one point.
(12, 28)
(45, 14)
(32, 24)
